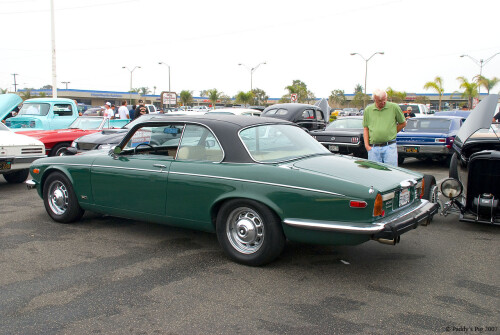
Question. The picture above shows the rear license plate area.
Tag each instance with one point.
(404, 197)
(412, 149)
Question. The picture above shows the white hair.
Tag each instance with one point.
(378, 93)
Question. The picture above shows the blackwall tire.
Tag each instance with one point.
(60, 200)
(430, 188)
(249, 232)
(453, 171)
(16, 177)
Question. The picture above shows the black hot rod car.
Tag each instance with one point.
(473, 188)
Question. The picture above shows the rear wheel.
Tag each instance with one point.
(16, 177)
(60, 199)
(59, 149)
(249, 232)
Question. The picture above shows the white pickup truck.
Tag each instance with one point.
(418, 109)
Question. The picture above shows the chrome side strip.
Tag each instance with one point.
(213, 177)
(260, 182)
(340, 227)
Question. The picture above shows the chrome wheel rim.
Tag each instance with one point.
(58, 198)
(245, 230)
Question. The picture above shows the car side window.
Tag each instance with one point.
(319, 115)
(307, 114)
(63, 110)
(159, 140)
(199, 144)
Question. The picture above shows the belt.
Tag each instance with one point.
(383, 144)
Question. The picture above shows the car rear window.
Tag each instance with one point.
(428, 125)
(277, 112)
(346, 124)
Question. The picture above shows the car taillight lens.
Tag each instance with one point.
(378, 207)
(422, 187)
(440, 140)
(354, 140)
(357, 204)
(449, 142)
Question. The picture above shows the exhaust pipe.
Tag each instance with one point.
(393, 241)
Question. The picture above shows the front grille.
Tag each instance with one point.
(85, 146)
(31, 151)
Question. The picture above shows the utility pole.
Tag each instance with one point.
(15, 84)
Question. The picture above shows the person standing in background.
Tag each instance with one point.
(381, 122)
(123, 111)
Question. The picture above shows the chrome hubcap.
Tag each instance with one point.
(245, 230)
(58, 198)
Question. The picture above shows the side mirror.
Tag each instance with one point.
(70, 151)
(116, 150)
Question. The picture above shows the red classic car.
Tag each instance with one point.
(57, 140)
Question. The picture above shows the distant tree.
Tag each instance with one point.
(26, 95)
(470, 90)
(436, 85)
(299, 88)
(4, 90)
(358, 89)
(400, 96)
(42, 95)
(422, 99)
(337, 98)
(186, 97)
(359, 100)
(46, 87)
(203, 93)
(225, 99)
(488, 84)
(214, 95)
(390, 93)
(260, 97)
(144, 91)
(244, 98)
(311, 98)
(135, 90)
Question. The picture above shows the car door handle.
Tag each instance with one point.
(161, 166)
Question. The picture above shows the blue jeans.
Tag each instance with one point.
(387, 154)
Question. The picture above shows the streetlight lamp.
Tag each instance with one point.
(131, 71)
(66, 82)
(162, 63)
(481, 63)
(366, 62)
(252, 69)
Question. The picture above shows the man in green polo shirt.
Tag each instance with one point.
(382, 121)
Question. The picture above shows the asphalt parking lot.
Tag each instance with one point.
(106, 275)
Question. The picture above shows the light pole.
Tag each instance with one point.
(366, 62)
(162, 63)
(131, 71)
(252, 69)
(481, 63)
(66, 82)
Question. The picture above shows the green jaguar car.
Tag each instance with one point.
(254, 181)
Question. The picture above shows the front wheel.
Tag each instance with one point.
(249, 232)
(16, 177)
(60, 199)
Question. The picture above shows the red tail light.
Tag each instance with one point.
(357, 204)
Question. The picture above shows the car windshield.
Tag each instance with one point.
(428, 125)
(34, 109)
(346, 124)
(86, 123)
(277, 143)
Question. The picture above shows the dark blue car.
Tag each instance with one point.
(429, 137)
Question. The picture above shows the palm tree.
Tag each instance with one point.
(186, 97)
(260, 96)
(144, 91)
(244, 98)
(26, 95)
(470, 89)
(337, 98)
(214, 96)
(390, 93)
(3, 90)
(436, 85)
(488, 84)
